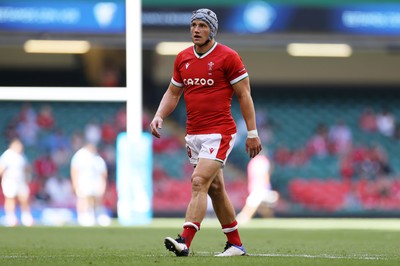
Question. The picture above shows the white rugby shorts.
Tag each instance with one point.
(209, 146)
(13, 188)
(88, 187)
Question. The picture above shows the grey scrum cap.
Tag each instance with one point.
(209, 17)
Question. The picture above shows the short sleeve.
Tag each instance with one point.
(235, 69)
(176, 77)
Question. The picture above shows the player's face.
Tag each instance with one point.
(200, 32)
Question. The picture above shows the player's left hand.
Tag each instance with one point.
(253, 146)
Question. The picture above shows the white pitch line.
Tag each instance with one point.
(307, 256)
(324, 256)
(320, 256)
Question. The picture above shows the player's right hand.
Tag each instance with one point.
(155, 125)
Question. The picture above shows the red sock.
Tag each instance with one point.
(232, 233)
(189, 230)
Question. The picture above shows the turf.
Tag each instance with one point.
(269, 242)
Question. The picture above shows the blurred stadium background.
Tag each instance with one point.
(328, 115)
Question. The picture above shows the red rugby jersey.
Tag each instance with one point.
(207, 82)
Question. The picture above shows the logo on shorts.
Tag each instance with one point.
(211, 150)
(189, 151)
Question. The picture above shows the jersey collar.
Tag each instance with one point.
(206, 53)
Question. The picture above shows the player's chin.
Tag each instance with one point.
(198, 41)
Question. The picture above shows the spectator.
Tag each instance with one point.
(55, 140)
(60, 192)
(45, 118)
(341, 137)
(120, 119)
(375, 163)
(108, 132)
(27, 128)
(346, 167)
(27, 113)
(367, 120)
(379, 155)
(318, 145)
(386, 122)
(44, 167)
(58, 145)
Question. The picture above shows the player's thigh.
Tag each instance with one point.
(10, 188)
(207, 169)
(23, 194)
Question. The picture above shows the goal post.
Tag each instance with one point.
(134, 148)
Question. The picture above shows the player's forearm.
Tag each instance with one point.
(104, 183)
(247, 109)
(73, 178)
(168, 104)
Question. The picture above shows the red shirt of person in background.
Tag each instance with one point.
(108, 132)
(367, 120)
(45, 166)
(45, 118)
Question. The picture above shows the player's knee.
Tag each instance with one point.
(199, 183)
(216, 189)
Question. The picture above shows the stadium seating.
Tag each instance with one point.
(296, 115)
(292, 116)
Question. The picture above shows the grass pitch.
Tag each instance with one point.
(268, 242)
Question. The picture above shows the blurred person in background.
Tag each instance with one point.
(120, 119)
(108, 131)
(386, 122)
(89, 181)
(93, 132)
(367, 120)
(15, 173)
(261, 197)
(45, 118)
(318, 144)
(44, 167)
(60, 192)
(27, 127)
(340, 137)
(209, 74)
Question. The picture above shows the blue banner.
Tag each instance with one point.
(260, 17)
(95, 17)
(375, 19)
